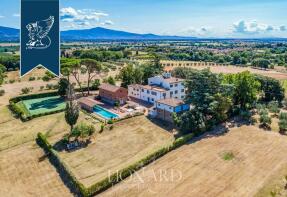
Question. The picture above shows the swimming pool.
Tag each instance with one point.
(105, 113)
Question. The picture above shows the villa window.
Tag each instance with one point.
(182, 90)
(176, 92)
(176, 85)
(171, 86)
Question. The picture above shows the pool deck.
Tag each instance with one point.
(121, 111)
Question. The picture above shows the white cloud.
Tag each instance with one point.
(107, 22)
(16, 15)
(79, 19)
(254, 27)
(200, 32)
(283, 28)
(2, 16)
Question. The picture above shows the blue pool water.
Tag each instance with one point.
(104, 113)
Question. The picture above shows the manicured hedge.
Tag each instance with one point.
(114, 178)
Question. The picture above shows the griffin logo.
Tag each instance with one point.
(38, 34)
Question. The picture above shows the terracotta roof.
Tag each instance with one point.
(168, 68)
(109, 87)
(87, 101)
(171, 102)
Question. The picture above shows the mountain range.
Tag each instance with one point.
(98, 33)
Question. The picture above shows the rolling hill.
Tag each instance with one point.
(98, 33)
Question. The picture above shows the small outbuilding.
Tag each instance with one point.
(87, 103)
(113, 94)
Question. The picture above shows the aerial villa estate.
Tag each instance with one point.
(162, 97)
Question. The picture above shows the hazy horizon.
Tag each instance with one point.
(190, 18)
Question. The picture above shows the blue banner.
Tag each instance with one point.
(40, 35)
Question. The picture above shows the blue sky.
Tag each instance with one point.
(201, 18)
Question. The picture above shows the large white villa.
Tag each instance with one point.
(159, 87)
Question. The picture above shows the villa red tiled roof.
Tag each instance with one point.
(109, 87)
(87, 101)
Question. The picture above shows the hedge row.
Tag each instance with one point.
(114, 178)
(41, 95)
(59, 164)
(32, 96)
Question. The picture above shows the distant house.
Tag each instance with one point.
(158, 88)
(166, 107)
(113, 94)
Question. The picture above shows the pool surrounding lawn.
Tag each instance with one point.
(104, 113)
(44, 105)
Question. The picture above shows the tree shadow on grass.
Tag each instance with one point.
(163, 124)
(47, 104)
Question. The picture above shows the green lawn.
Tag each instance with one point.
(43, 105)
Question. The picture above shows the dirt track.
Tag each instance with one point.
(199, 169)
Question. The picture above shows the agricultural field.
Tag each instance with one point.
(236, 69)
(238, 163)
(115, 149)
(22, 174)
(14, 132)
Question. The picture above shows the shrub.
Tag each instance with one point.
(273, 107)
(11, 81)
(32, 78)
(25, 90)
(96, 84)
(228, 156)
(49, 86)
(102, 128)
(42, 88)
(83, 130)
(282, 122)
(2, 92)
(265, 119)
(46, 78)
(245, 115)
(110, 121)
(55, 87)
(259, 107)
